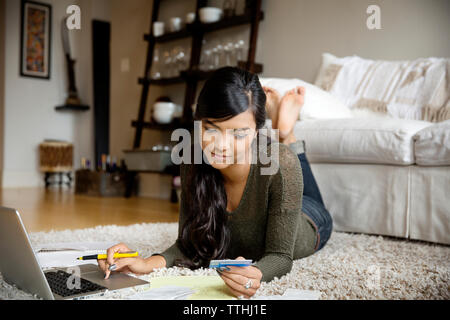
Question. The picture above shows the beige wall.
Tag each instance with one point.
(292, 38)
(296, 32)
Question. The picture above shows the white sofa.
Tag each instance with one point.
(378, 174)
(372, 179)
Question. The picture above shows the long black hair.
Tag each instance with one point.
(205, 235)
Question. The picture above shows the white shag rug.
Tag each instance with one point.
(350, 266)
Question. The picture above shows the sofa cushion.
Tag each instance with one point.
(432, 145)
(319, 104)
(363, 140)
(418, 89)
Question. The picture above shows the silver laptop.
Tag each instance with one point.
(19, 266)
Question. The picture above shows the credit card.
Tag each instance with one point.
(218, 264)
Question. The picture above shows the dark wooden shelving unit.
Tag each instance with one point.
(196, 31)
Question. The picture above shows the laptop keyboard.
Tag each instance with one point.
(57, 281)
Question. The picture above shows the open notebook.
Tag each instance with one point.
(65, 254)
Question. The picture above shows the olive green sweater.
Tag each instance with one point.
(268, 225)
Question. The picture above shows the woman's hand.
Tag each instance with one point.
(135, 265)
(237, 277)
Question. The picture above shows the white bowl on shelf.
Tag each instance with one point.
(163, 112)
(210, 14)
(163, 116)
(164, 105)
(176, 109)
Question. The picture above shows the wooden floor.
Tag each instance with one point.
(59, 209)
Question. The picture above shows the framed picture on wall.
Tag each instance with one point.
(35, 45)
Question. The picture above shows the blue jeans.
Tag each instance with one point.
(313, 205)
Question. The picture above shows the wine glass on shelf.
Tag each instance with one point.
(167, 62)
(175, 65)
(209, 60)
(218, 55)
(229, 57)
(185, 59)
(208, 56)
(215, 58)
(239, 47)
(156, 71)
(221, 50)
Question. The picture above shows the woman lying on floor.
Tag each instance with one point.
(229, 209)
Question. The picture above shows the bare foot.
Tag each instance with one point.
(272, 103)
(289, 110)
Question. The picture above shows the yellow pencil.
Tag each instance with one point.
(129, 254)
